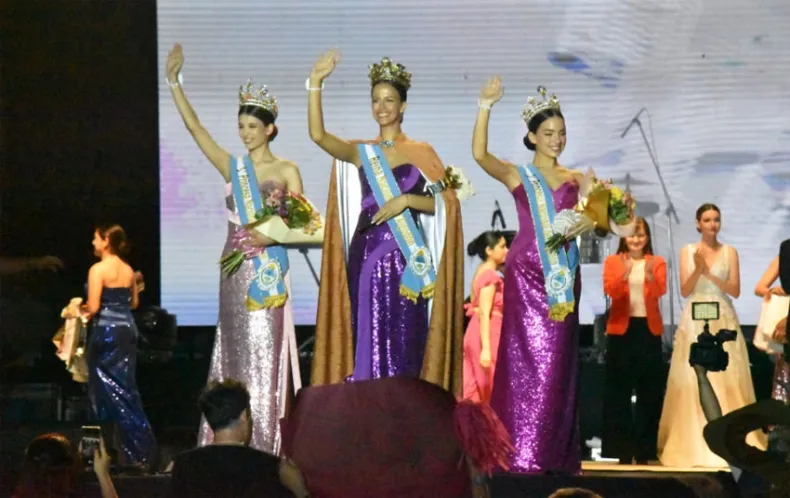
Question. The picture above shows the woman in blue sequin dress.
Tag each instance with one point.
(112, 346)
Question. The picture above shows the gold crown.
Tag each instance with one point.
(249, 95)
(391, 72)
(539, 103)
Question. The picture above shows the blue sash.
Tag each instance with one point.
(267, 289)
(559, 269)
(419, 277)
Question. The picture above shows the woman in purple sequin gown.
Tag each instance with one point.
(397, 328)
(390, 330)
(535, 382)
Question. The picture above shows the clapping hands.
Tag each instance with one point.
(700, 263)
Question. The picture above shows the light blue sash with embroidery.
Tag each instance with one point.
(419, 277)
(267, 289)
(559, 269)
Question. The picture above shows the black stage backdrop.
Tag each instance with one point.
(79, 142)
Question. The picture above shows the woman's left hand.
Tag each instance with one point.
(390, 209)
(780, 332)
(485, 358)
(649, 265)
(139, 280)
(84, 311)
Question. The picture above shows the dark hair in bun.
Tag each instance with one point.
(116, 238)
(486, 240)
(538, 120)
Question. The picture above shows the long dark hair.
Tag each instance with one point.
(623, 247)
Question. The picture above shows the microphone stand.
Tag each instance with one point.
(497, 216)
(671, 213)
(304, 251)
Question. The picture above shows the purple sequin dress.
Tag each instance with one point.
(535, 381)
(390, 331)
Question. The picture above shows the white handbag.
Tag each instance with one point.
(771, 313)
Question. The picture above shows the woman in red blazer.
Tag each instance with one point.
(635, 279)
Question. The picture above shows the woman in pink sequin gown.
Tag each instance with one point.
(535, 382)
(258, 346)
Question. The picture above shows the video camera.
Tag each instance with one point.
(708, 352)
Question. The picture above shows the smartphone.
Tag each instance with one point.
(91, 440)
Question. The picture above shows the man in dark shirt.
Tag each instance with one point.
(229, 468)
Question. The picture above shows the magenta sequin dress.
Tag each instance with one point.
(390, 330)
(535, 382)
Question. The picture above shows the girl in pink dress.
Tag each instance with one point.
(481, 342)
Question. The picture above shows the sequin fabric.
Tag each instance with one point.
(779, 436)
(249, 347)
(781, 383)
(535, 381)
(112, 367)
(390, 330)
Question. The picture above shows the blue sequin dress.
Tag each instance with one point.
(112, 366)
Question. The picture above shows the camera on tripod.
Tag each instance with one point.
(708, 352)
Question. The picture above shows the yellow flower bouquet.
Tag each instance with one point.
(602, 207)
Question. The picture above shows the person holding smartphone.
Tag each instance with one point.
(53, 469)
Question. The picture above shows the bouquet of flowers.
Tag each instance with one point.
(455, 179)
(602, 207)
(286, 218)
(70, 340)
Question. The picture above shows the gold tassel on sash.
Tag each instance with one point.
(559, 311)
(268, 302)
(427, 292)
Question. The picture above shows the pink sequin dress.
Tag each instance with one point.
(255, 347)
(478, 381)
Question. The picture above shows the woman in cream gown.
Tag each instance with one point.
(709, 272)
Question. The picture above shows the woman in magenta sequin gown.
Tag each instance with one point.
(535, 382)
(536, 378)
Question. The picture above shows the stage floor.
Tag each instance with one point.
(590, 467)
(612, 480)
(643, 482)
